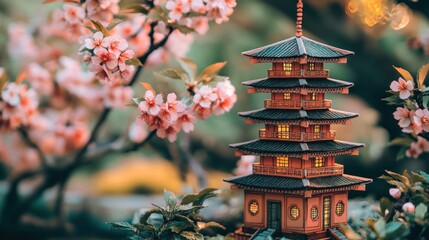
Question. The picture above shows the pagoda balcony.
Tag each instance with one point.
(293, 104)
(337, 169)
(296, 136)
(298, 74)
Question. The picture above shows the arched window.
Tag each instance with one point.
(294, 212)
(314, 213)
(253, 207)
(339, 208)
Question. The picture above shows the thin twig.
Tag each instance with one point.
(26, 138)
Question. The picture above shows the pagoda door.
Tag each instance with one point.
(326, 212)
(274, 216)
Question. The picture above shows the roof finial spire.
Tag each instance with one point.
(299, 15)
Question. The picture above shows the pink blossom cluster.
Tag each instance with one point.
(403, 87)
(169, 117)
(166, 118)
(244, 165)
(218, 100)
(21, 43)
(195, 14)
(15, 154)
(18, 105)
(415, 122)
(102, 10)
(60, 132)
(407, 207)
(107, 57)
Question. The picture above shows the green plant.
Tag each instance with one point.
(177, 220)
(400, 219)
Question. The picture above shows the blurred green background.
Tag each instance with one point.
(255, 23)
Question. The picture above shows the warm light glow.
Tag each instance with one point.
(379, 12)
(294, 212)
(282, 162)
(253, 207)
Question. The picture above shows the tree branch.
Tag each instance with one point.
(26, 138)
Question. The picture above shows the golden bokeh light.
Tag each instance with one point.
(373, 13)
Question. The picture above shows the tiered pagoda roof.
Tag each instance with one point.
(263, 147)
(288, 83)
(283, 115)
(296, 47)
(284, 183)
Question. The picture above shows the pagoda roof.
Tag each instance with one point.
(282, 83)
(288, 147)
(298, 47)
(294, 115)
(287, 183)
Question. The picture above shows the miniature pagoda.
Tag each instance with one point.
(296, 189)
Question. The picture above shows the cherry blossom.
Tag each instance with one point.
(417, 148)
(226, 97)
(220, 10)
(408, 207)
(117, 96)
(102, 10)
(173, 107)
(73, 13)
(421, 119)
(152, 103)
(205, 96)
(244, 165)
(137, 133)
(403, 87)
(404, 117)
(395, 193)
(169, 132)
(177, 8)
(40, 78)
(186, 121)
(97, 42)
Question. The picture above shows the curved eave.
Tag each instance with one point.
(297, 149)
(297, 48)
(297, 83)
(293, 184)
(288, 116)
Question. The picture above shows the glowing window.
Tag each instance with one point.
(313, 96)
(294, 212)
(283, 131)
(314, 213)
(286, 96)
(339, 208)
(287, 66)
(316, 128)
(319, 162)
(311, 67)
(282, 162)
(253, 207)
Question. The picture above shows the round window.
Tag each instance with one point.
(314, 212)
(253, 207)
(294, 212)
(339, 208)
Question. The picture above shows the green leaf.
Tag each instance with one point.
(214, 225)
(192, 235)
(113, 25)
(123, 226)
(393, 230)
(380, 228)
(3, 81)
(145, 216)
(100, 27)
(189, 67)
(170, 199)
(134, 61)
(178, 226)
(421, 210)
(404, 73)
(401, 178)
(401, 141)
(385, 204)
(204, 195)
(421, 76)
(157, 14)
(174, 74)
(136, 8)
(425, 176)
(184, 29)
(183, 210)
(393, 100)
(210, 72)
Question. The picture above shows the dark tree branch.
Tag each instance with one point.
(26, 138)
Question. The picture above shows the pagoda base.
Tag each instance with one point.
(248, 233)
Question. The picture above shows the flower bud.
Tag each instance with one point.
(408, 207)
(395, 193)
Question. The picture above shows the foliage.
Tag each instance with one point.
(177, 220)
(398, 216)
(412, 98)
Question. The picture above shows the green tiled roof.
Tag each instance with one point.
(278, 147)
(286, 183)
(295, 82)
(288, 115)
(297, 47)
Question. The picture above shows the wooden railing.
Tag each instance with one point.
(296, 136)
(298, 74)
(294, 104)
(337, 169)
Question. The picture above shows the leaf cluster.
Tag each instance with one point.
(178, 219)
